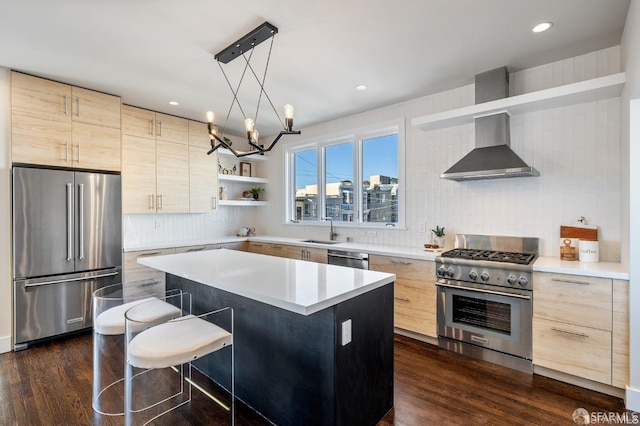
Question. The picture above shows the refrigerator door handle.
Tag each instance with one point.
(81, 219)
(69, 221)
(68, 280)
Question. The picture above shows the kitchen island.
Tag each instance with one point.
(313, 342)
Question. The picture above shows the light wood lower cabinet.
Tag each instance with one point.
(620, 343)
(141, 280)
(580, 326)
(310, 254)
(581, 351)
(415, 292)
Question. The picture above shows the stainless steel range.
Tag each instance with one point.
(485, 298)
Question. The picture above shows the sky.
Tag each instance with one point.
(380, 158)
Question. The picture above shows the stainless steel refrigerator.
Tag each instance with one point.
(67, 242)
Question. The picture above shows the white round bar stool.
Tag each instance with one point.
(155, 352)
(109, 307)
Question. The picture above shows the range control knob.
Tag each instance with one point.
(441, 271)
(512, 279)
(473, 275)
(450, 273)
(484, 276)
(523, 281)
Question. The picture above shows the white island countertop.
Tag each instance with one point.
(295, 285)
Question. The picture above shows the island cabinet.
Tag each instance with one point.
(312, 343)
(55, 124)
(577, 330)
(414, 293)
(155, 162)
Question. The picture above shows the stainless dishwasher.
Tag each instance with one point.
(351, 259)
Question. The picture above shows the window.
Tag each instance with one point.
(355, 179)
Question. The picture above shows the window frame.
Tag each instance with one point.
(357, 137)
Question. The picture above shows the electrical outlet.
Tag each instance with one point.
(346, 332)
(372, 234)
(423, 227)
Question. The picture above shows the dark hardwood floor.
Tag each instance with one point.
(50, 384)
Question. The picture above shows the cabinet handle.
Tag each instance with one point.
(151, 127)
(159, 201)
(159, 128)
(404, 299)
(65, 104)
(400, 262)
(78, 148)
(560, 280)
(276, 247)
(66, 151)
(195, 249)
(573, 333)
(214, 203)
(151, 205)
(153, 253)
(77, 107)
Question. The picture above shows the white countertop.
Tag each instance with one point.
(295, 285)
(613, 270)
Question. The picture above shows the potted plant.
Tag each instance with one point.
(256, 192)
(438, 236)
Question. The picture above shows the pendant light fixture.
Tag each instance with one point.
(239, 49)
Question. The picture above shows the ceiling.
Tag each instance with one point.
(150, 52)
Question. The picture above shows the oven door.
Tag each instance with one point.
(490, 317)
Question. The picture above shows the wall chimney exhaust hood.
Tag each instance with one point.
(492, 158)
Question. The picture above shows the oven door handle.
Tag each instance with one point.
(497, 293)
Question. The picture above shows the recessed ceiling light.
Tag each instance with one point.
(361, 87)
(173, 103)
(543, 26)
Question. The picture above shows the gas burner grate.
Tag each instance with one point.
(490, 255)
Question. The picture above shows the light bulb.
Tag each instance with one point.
(255, 136)
(249, 125)
(288, 117)
(210, 116)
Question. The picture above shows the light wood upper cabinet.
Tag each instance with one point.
(95, 147)
(138, 122)
(172, 129)
(199, 136)
(150, 124)
(203, 171)
(155, 172)
(96, 108)
(48, 100)
(138, 175)
(45, 130)
(172, 177)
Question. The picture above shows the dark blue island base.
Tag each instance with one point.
(293, 369)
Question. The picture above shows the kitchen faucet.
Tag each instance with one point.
(332, 234)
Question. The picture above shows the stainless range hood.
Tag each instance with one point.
(492, 158)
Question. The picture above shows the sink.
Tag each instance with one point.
(320, 242)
